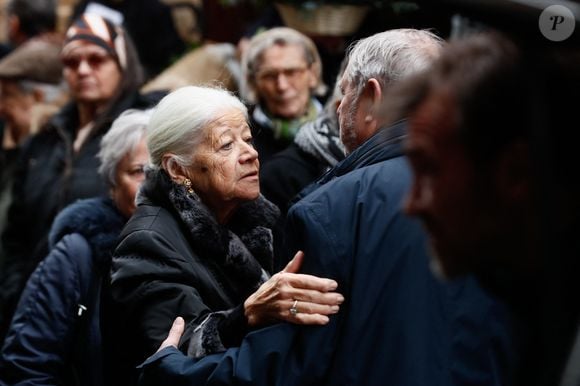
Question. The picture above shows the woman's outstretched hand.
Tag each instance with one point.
(293, 297)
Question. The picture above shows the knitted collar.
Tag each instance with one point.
(286, 128)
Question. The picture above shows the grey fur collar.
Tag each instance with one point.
(242, 248)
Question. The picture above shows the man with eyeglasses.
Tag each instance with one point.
(283, 75)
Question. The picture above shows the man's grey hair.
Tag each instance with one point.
(122, 138)
(391, 56)
(179, 122)
(281, 36)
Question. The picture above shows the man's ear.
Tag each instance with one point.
(372, 94)
(376, 92)
(514, 172)
(176, 172)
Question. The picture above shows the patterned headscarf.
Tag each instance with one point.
(100, 31)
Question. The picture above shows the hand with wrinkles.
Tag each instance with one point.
(312, 298)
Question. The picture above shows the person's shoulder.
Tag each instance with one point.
(151, 226)
(91, 217)
(42, 142)
(290, 165)
(383, 183)
(372, 176)
(147, 218)
(150, 99)
(67, 258)
(291, 156)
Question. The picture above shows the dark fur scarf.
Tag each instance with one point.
(243, 248)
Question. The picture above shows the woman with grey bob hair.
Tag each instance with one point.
(200, 242)
(124, 156)
(55, 335)
(122, 138)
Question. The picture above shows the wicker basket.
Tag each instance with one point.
(328, 20)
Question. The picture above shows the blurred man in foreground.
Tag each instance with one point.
(493, 151)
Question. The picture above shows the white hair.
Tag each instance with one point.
(390, 56)
(122, 138)
(179, 121)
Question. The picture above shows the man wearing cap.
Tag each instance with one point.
(30, 92)
(59, 164)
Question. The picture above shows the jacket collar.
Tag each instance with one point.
(385, 144)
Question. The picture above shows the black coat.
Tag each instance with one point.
(287, 173)
(173, 260)
(49, 176)
(281, 179)
(265, 142)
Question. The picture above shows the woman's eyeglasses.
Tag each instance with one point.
(93, 60)
(290, 73)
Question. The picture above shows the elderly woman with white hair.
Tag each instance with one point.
(55, 335)
(199, 244)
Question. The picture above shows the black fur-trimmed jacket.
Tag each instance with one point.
(174, 259)
(55, 336)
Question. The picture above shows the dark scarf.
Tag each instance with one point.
(242, 248)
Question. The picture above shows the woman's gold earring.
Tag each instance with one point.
(187, 184)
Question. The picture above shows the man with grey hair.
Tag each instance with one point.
(281, 77)
(399, 325)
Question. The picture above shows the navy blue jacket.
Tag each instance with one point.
(398, 325)
(49, 175)
(54, 337)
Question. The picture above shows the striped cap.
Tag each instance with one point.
(96, 29)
